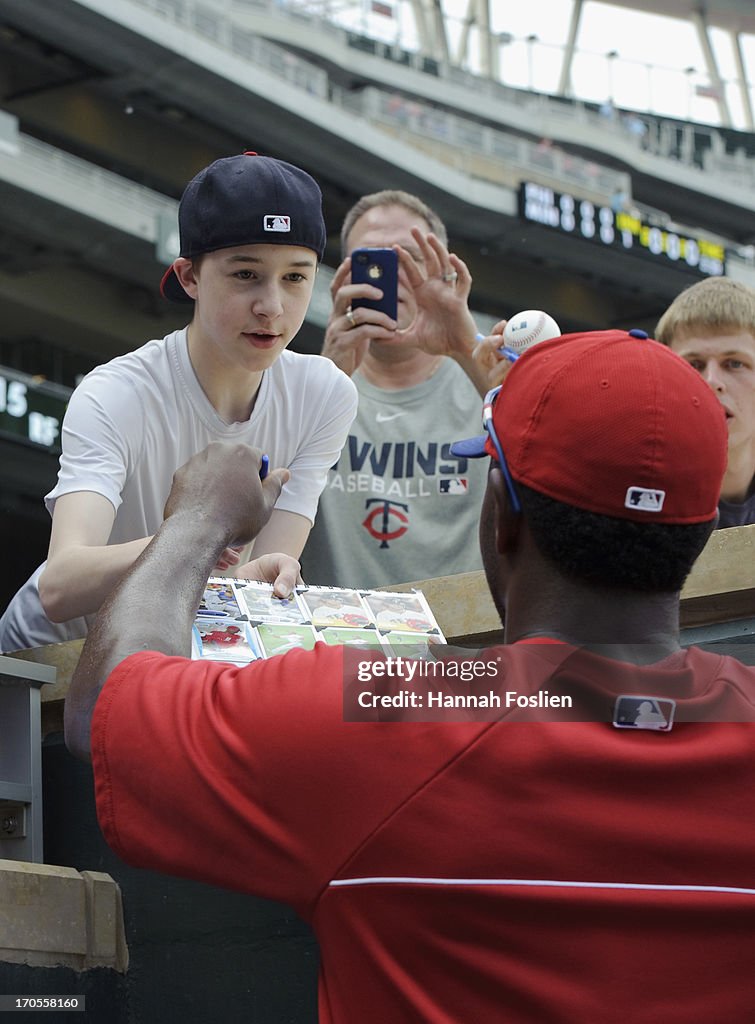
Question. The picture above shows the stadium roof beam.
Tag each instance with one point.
(478, 13)
(564, 85)
(698, 20)
(744, 90)
(431, 28)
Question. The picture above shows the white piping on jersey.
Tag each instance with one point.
(536, 882)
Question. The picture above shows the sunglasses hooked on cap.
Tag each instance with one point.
(611, 422)
(246, 200)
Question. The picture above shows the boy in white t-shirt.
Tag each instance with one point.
(252, 235)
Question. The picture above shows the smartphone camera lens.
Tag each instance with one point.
(362, 258)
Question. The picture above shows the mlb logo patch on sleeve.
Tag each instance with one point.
(453, 485)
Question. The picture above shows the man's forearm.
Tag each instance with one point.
(139, 616)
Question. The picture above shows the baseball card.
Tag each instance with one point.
(278, 638)
(408, 612)
(219, 599)
(410, 645)
(369, 639)
(224, 639)
(258, 601)
(331, 606)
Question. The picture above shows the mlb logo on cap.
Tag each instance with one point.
(277, 222)
(645, 498)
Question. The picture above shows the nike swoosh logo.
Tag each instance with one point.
(385, 417)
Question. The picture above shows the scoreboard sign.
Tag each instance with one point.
(623, 230)
(31, 410)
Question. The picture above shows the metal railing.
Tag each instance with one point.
(91, 190)
(482, 151)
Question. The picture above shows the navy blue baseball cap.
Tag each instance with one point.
(246, 200)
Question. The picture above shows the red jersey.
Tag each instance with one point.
(476, 871)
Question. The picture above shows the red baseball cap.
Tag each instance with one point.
(613, 423)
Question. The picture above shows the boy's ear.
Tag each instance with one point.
(187, 275)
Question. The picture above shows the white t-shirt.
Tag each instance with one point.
(133, 421)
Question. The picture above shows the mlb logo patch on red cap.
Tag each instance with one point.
(645, 498)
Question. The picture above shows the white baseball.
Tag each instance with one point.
(528, 328)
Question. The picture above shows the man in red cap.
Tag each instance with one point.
(570, 835)
(252, 236)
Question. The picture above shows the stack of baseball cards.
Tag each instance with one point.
(239, 621)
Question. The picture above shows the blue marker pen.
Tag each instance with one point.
(265, 465)
(505, 351)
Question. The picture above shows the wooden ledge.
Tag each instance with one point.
(720, 588)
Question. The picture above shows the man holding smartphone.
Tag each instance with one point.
(398, 506)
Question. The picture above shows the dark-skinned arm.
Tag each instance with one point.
(216, 500)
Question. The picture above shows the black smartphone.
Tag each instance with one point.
(378, 267)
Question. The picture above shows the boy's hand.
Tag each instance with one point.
(282, 570)
(349, 332)
(221, 486)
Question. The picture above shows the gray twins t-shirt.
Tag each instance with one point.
(398, 506)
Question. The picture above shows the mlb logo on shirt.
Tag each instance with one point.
(454, 485)
(277, 222)
(645, 498)
(634, 712)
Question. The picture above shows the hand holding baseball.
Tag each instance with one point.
(488, 356)
(509, 339)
